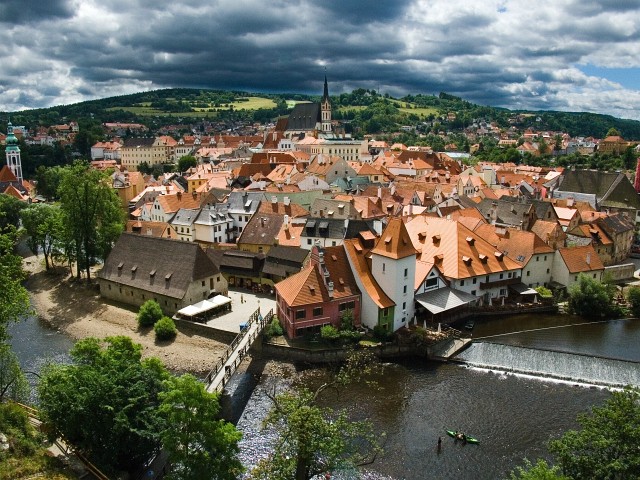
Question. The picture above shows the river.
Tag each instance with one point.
(514, 416)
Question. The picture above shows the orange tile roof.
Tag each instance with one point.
(575, 258)
(173, 203)
(358, 256)
(395, 241)
(448, 243)
(293, 209)
(592, 230)
(519, 245)
(290, 236)
(307, 286)
(6, 175)
(14, 192)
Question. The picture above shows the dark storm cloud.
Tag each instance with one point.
(34, 11)
(508, 53)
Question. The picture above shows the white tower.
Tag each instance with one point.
(13, 153)
(393, 264)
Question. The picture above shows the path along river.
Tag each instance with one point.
(514, 416)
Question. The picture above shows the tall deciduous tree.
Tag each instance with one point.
(107, 402)
(13, 384)
(92, 214)
(43, 224)
(199, 443)
(14, 299)
(186, 162)
(606, 446)
(590, 298)
(10, 208)
(313, 440)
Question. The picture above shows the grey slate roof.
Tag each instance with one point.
(335, 228)
(304, 116)
(138, 142)
(185, 217)
(542, 207)
(237, 262)
(262, 229)
(610, 188)
(284, 260)
(158, 265)
(508, 213)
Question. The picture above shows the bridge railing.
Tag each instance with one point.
(256, 318)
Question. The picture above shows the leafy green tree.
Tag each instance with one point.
(48, 181)
(540, 471)
(590, 298)
(13, 384)
(612, 132)
(606, 446)
(106, 403)
(200, 445)
(149, 313)
(14, 299)
(186, 162)
(92, 214)
(633, 295)
(165, 329)
(10, 208)
(312, 439)
(43, 224)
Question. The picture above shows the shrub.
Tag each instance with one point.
(633, 295)
(274, 329)
(149, 313)
(381, 333)
(165, 329)
(329, 332)
(544, 292)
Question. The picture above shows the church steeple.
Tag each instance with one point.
(12, 152)
(325, 107)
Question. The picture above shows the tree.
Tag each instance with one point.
(633, 295)
(314, 440)
(13, 384)
(612, 132)
(48, 180)
(540, 471)
(149, 313)
(92, 215)
(606, 446)
(43, 224)
(200, 445)
(14, 299)
(106, 403)
(186, 162)
(590, 298)
(10, 208)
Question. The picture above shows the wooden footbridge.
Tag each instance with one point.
(222, 372)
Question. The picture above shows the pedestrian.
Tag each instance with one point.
(241, 298)
(439, 444)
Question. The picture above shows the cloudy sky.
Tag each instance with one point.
(573, 55)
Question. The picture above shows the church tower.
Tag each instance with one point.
(13, 153)
(325, 109)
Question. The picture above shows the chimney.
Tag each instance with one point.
(179, 195)
(274, 200)
(393, 189)
(262, 221)
(588, 259)
(379, 192)
(330, 289)
(286, 222)
(493, 213)
(287, 201)
(194, 194)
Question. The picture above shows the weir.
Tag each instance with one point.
(553, 364)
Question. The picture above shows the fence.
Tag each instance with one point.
(231, 369)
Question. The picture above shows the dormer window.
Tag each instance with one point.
(470, 240)
(120, 265)
(168, 276)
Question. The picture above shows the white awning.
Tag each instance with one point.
(443, 299)
(522, 289)
(204, 306)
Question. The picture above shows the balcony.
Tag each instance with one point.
(499, 283)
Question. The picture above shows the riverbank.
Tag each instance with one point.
(76, 309)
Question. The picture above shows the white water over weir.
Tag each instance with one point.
(553, 364)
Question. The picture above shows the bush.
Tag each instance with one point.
(274, 329)
(165, 329)
(149, 313)
(590, 298)
(633, 295)
(329, 332)
(544, 292)
(381, 333)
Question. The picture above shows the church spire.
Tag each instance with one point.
(325, 96)
(325, 108)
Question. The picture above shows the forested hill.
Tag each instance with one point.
(366, 109)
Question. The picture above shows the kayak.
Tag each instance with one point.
(451, 433)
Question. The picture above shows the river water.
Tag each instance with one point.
(514, 416)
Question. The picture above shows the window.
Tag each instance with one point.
(404, 305)
(475, 280)
(547, 270)
(503, 292)
(308, 241)
(203, 283)
(528, 273)
(509, 274)
(576, 278)
(346, 306)
(473, 292)
(383, 267)
(594, 275)
(404, 289)
(406, 272)
(501, 276)
(545, 258)
(538, 258)
(462, 283)
(317, 311)
(300, 314)
(385, 312)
